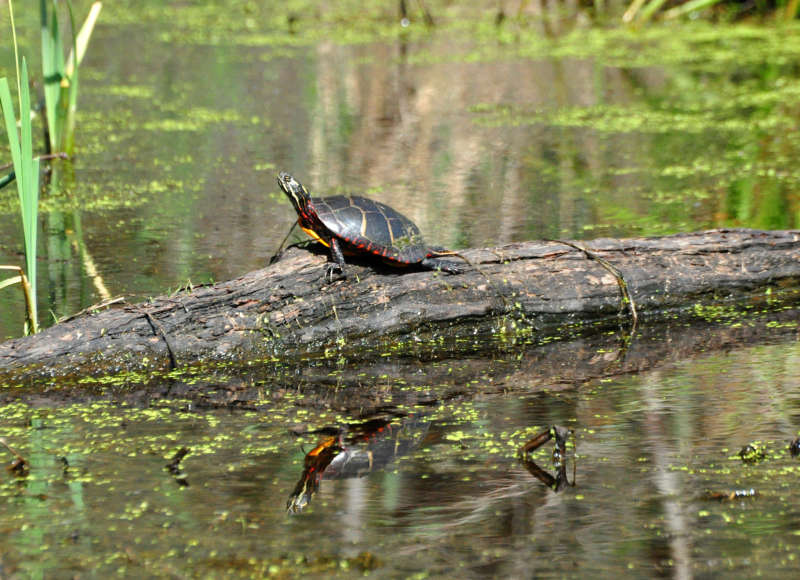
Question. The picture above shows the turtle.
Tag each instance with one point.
(359, 225)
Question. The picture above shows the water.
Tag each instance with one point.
(424, 477)
(483, 137)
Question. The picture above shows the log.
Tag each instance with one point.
(361, 388)
(531, 290)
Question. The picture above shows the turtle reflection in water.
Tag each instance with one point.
(358, 225)
(351, 451)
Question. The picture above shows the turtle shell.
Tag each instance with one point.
(366, 225)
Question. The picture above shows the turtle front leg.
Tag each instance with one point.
(338, 261)
(440, 265)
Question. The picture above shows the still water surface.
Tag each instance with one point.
(426, 481)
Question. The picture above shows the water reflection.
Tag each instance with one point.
(356, 450)
(420, 475)
(555, 482)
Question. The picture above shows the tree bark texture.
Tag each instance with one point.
(288, 311)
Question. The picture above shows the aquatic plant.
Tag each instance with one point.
(26, 168)
(22, 279)
(61, 75)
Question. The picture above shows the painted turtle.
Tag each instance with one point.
(358, 225)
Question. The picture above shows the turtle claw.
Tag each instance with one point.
(449, 268)
(330, 270)
(441, 265)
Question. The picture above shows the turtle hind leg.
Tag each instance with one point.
(440, 265)
(337, 266)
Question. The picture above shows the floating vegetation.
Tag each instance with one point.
(196, 119)
(127, 91)
(626, 119)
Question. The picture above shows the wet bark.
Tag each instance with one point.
(287, 311)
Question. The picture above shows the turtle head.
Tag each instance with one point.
(295, 191)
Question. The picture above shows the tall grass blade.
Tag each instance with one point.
(632, 11)
(791, 10)
(30, 312)
(83, 37)
(60, 74)
(52, 71)
(14, 40)
(9, 281)
(26, 169)
(70, 93)
(29, 192)
(11, 123)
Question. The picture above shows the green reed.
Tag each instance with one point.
(26, 168)
(61, 74)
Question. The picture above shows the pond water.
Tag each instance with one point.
(404, 469)
(482, 135)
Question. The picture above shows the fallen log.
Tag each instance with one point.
(362, 387)
(532, 289)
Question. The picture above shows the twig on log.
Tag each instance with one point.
(94, 308)
(442, 253)
(157, 328)
(623, 285)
